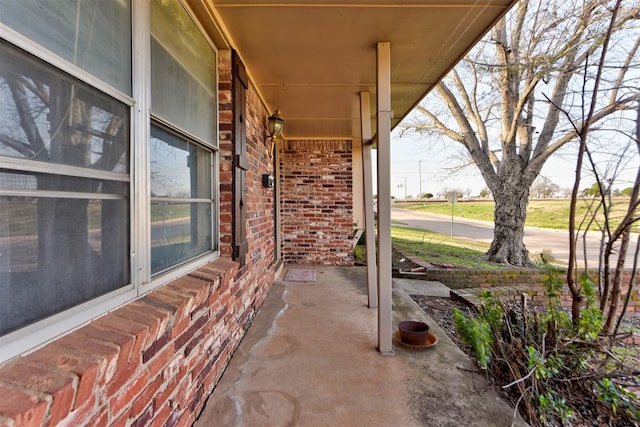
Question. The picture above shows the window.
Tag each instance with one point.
(181, 205)
(183, 72)
(66, 186)
(183, 99)
(67, 241)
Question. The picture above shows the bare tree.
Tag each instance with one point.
(610, 277)
(447, 192)
(496, 108)
(612, 287)
(543, 188)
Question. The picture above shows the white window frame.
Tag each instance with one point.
(173, 273)
(39, 333)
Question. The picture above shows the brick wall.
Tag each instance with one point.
(259, 203)
(154, 361)
(458, 278)
(317, 203)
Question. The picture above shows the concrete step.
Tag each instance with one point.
(422, 287)
(471, 296)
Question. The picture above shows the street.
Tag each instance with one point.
(536, 239)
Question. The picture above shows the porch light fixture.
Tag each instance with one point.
(276, 123)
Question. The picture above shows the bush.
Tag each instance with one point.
(557, 371)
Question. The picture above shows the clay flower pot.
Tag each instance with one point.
(413, 332)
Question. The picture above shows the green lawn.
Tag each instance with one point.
(169, 211)
(434, 247)
(540, 213)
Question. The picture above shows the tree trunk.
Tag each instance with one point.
(509, 217)
(67, 256)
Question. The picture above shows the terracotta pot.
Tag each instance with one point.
(413, 332)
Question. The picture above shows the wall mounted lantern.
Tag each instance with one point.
(276, 123)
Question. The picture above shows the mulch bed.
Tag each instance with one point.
(440, 309)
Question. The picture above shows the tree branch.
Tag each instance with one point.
(27, 122)
(441, 127)
(473, 112)
(623, 71)
(470, 140)
(19, 146)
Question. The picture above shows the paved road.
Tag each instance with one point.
(173, 229)
(536, 239)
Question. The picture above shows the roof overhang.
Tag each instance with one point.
(311, 59)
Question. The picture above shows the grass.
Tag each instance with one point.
(166, 211)
(360, 253)
(540, 213)
(439, 248)
(435, 248)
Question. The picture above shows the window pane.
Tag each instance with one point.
(47, 116)
(56, 253)
(93, 34)
(179, 232)
(178, 168)
(64, 240)
(183, 71)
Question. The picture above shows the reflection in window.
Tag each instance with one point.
(95, 35)
(181, 200)
(50, 117)
(56, 253)
(178, 168)
(183, 77)
(64, 237)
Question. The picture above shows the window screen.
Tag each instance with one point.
(183, 72)
(95, 35)
(64, 234)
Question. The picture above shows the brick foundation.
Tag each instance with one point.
(529, 279)
(317, 202)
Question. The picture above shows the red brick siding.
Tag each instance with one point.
(154, 361)
(532, 278)
(259, 200)
(225, 153)
(148, 361)
(317, 202)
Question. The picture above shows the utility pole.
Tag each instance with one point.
(420, 178)
(452, 196)
(405, 189)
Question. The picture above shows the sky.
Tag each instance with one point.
(417, 166)
(411, 160)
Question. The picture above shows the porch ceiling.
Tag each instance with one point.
(311, 59)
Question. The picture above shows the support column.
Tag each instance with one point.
(367, 175)
(385, 345)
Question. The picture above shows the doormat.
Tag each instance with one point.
(300, 275)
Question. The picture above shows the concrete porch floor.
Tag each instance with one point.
(310, 359)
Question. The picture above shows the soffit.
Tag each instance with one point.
(311, 59)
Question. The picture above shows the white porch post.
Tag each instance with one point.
(367, 175)
(385, 345)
